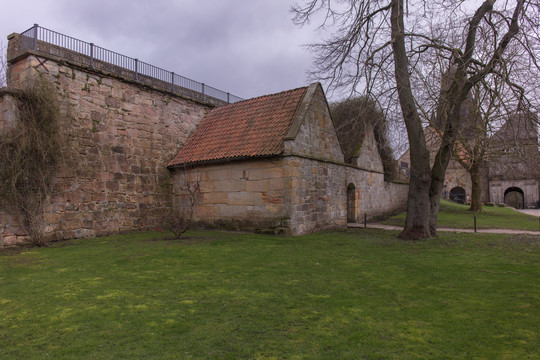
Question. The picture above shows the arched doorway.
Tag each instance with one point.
(458, 195)
(513, 196)
(351, 203)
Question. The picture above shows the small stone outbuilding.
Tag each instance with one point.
(275, 164)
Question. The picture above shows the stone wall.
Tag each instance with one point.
(286, 195)
(8, 109)
(242, 195)
(319, 198)
(313, 134)
(369, 158)
(376, 197)
(529, 187)
(320, 177)
(119, 137)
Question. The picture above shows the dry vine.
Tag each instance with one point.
(29, 155)
(180, 218)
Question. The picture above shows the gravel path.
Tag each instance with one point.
(488, 231)
(535, 212)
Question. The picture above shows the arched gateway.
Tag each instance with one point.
(514, 197)
(458, 195)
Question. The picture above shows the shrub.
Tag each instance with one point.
(179, 219)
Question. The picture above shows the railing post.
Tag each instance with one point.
(203, 91)
(36, 27)
(172, 81)
(136, 69)
(92, 55)
(228, 96)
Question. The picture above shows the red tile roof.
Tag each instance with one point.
(249, 128)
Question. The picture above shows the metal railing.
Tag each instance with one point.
(44, 40)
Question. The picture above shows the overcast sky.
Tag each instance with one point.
(245, 47)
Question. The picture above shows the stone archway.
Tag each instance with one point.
(458, 195)
(351, 203)
(514, 196)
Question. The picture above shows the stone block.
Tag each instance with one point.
(214, 198)
(231, 211)
(244, 198)
(219, 174)
(9, 240)
(229, 185)
(272, 173)
(112, 186)
(278, 184)
(258, 185)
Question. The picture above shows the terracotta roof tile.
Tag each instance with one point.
(249, 128)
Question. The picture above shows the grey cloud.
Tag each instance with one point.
(246, 47)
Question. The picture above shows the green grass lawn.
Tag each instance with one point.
(360, 294)
(452, 215)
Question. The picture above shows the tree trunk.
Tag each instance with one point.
(476, 193)
(418, 209)
(438, 171)
(418, 206)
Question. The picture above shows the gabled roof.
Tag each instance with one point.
(250, 128)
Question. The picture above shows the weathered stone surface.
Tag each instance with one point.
(8, 110)
(119, 139)
(303, 191)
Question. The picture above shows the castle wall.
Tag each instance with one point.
(119, 137)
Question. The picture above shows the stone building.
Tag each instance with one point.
(511, 173)
(275, 163)
(514, 172)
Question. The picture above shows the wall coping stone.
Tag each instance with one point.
(85, 68)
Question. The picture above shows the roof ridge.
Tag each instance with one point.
(262, 96)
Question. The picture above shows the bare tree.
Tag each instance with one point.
(397, 50)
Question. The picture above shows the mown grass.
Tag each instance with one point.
(359, 294)
(457, 216)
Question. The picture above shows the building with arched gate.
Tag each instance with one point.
(511, 176)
